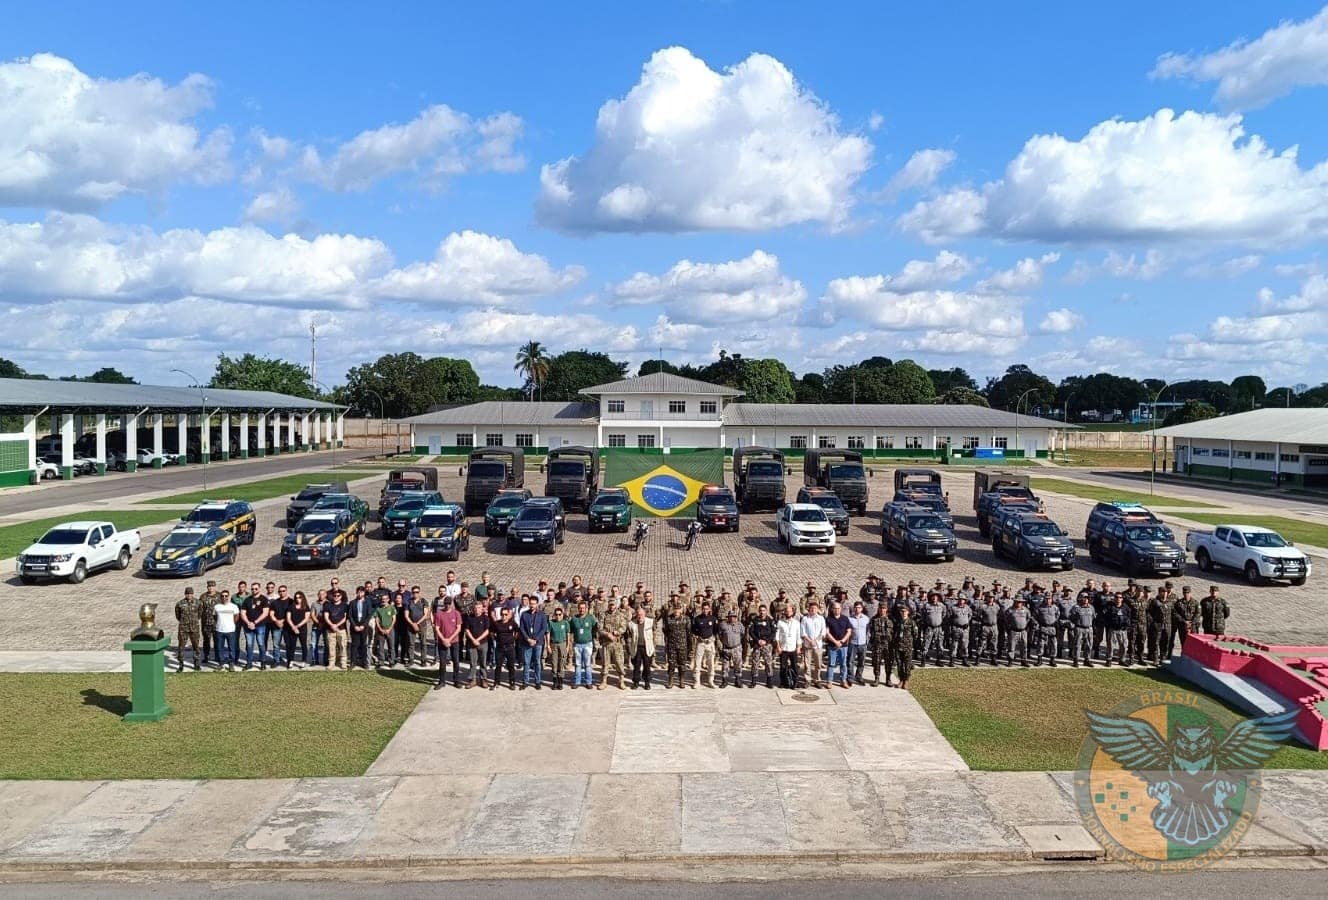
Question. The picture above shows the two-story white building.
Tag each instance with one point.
(661, 411)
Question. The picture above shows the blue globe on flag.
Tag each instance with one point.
(664, 492)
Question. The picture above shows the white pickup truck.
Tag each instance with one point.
(74, 549)
(1260, 553)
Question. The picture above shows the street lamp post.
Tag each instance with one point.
(1017, 404)
(202, 397)
(327, 393)
(382, 417)
(1152, 465)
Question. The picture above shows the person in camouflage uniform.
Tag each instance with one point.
(1187, 616)
(1159, 620)
(901, 646)
(1137, 600)
(189, 616)
(611, 629)
(989, 616)
(211, 597)
(760, 634)
(880, 637)
(677, 638)
(1215, 612)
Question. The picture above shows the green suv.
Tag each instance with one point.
(400, 516)
(611, 510)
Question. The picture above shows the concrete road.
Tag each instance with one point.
(1056, 882)
(92, 489)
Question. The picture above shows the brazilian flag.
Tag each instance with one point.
(663, 485)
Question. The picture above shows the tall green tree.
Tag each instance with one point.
(532, 361)
(1005, 392)
(449, 380)
(11, 369)
(810, 388)
(960, 396)
(1103, 392)
(1192, 411)
(1217, 394)
(258, 373)
(766, 381)
(1249, 391)
(651, 366)
(947, 380)
(409, 385)
(575, 370)
(108, 375)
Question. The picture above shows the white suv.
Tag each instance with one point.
(805, 526)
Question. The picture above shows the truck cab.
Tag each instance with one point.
(573, 476)
(1260, 553)
(1031, 540)
(489, 471)
(842, 472)
(916, 532)
(1129, 536)
(758, 478)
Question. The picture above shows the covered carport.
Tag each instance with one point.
(76, 409)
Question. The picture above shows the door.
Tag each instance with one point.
(647, 409)
(435, 444)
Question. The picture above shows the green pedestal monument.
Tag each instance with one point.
(147, 648)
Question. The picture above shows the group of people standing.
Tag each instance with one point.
(478, 633)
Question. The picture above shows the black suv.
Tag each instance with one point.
(305, 499)
(1130, 536)
(993, 504)
(916, 532)
(928, 500)
(829, 501)
(539, 525)
(1031, 540)
(716, 507)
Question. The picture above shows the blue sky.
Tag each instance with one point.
(978, 186)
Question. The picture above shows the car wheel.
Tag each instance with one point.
(1067, 567)
(355, 550)
(983, 528)
(908, 553)
(250, 536)
(1094, 552)
(1252, 575)
(285, 564)
(27, 579)
(231, 555)
(1204, 560)
(950, 558)
(80, 572)
(1131, 565)
(336, 559)
(996, 549)
(830, 551)
(1298, 581)
(122, 561)
(1021, 560)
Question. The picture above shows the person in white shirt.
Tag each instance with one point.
(228, 643)
(788, 635)
(813, 643)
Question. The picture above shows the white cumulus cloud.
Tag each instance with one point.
(475, 268)
(872, 301)
(921, 171)
(1059, 321)
(278, 205)
(1253, 73)
(73, 142)
(744, 290)
(1025, 275)
(1194, 176)
(1118, 265)
(692, 149)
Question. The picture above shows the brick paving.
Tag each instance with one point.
(100, 613)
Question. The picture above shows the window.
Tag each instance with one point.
(797, 442)
(493, 439)
(645, 440)
(617, 440)
(1220, 453)
(1241, 454)
(885, 442)
(1263, 456)
(1291, 457)
(1198, 451)
(465, 440)
(1003, 443)
(826, 442)
(971, 442)
(525, 440)
(709, 407)
(913, 442)
(617, 406)
(677, 406)
(856, 442)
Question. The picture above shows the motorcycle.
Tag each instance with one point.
(639, 536)
(693, 529)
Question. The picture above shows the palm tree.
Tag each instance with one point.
(533, 362)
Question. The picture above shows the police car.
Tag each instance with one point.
(1031, 540)
(190, 550)
(1129, 535)
(440, 532)
(928, 500)
(916, 532)
(235, 516)
(323, 538)
(829, 501)
(716, 508)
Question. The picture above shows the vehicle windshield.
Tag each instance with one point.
(714, 498)
(317, 526)
(925, 522)
(63, 536)
(567, 469)
(507, 502)
(916, 484)
(535, 514)
(610, 500)
(1146, 533)
(214, 514)
(1263, 539)
(400, 486)
(181, 539)
(491, 469)
(408, 505)
(438, 520)
(765, 469)
(1009, 491)
(326, 502)
(931, 503)
(846, 470)
(1042, 529)
(311, 493)
(808, 515)
(830, 504)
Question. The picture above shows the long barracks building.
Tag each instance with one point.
(660, 412)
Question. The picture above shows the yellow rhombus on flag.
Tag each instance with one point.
(663, 491)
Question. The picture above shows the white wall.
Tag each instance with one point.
(659, 407)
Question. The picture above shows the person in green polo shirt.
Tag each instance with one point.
(560, 648)
(384, 644)
(583, 626)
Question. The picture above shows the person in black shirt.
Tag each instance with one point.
(761, 640)
(334, 624)
(297, 628)
(704, 624)
(359, 615)
(254, 616)
(279, 606)
(505, 633)
(475, 633)
(401, 629)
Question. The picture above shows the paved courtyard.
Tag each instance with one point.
(100, 613)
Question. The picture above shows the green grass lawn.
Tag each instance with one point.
(1106, 459)
(266, 488)
(1102, 492)
(253, 725)
(1116, 426)
(15, 538)
(1291, 529)
(1033, 720)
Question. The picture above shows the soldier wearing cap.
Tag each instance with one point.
(1018, 620)
(729, 635)
(189, 616)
